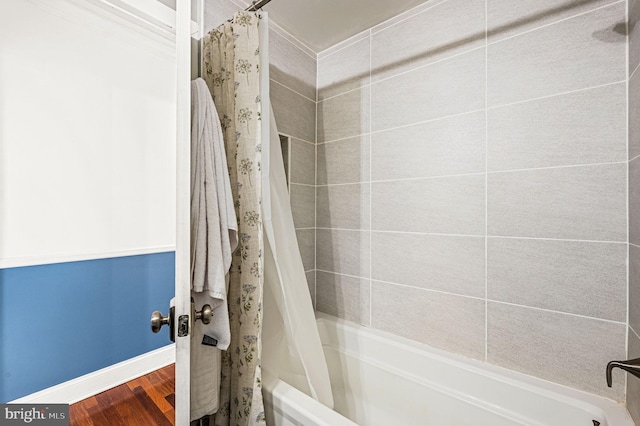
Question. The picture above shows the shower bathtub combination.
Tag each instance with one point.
(379, 379)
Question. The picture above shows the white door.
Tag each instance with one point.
(183, 314)
(94, 140)
(183, 228)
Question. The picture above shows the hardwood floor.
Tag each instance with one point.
(146, 401)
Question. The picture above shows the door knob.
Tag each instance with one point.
(158, 320)
(204, 315)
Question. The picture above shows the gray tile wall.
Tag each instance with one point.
(633, 384)
(472, 183)
(293, 72)
(471, 175)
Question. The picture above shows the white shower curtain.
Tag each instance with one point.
(291, 343)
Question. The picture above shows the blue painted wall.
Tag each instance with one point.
(61, 321)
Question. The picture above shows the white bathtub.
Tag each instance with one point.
(380, 380)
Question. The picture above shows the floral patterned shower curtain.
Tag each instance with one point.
(231, 69)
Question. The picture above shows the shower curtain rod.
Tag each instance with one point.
(257, 5)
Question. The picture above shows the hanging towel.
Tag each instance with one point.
(213, 239)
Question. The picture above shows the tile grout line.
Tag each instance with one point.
(568, 92)
(371, 82)
(419, 67)
(408, 179)
(582, 89)
(559, 312)
(566, 166)
(633, 74)
(289, 37)
(409, 16)
(328, 185)
(301, 184)
(370, 184)
(292, 90)
(486, 181)
(475, 297)
(322, 228)
(431, 234)
(359, 135)
(400, 232)
(371, 32)
(298, 139)
(437, 61)
(575, 240)
(328, 98)
(431, 290)
(341, 274)
(628, 270)
(417, 123)
(315, 199)
(350, 41)
(451, 235)
(538, 98)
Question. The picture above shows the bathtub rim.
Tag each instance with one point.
(291, 402)
(614, 412)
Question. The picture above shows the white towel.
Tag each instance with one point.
(213, 239)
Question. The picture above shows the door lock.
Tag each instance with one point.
(183, 326)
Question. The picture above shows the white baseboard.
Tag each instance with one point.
(99, 381)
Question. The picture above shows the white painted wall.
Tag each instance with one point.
(87, 134)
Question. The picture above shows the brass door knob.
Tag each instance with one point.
(205, 314)
(157, 321)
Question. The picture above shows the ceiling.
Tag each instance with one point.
(322, 23)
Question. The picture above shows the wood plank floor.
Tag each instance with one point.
(146, 401)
